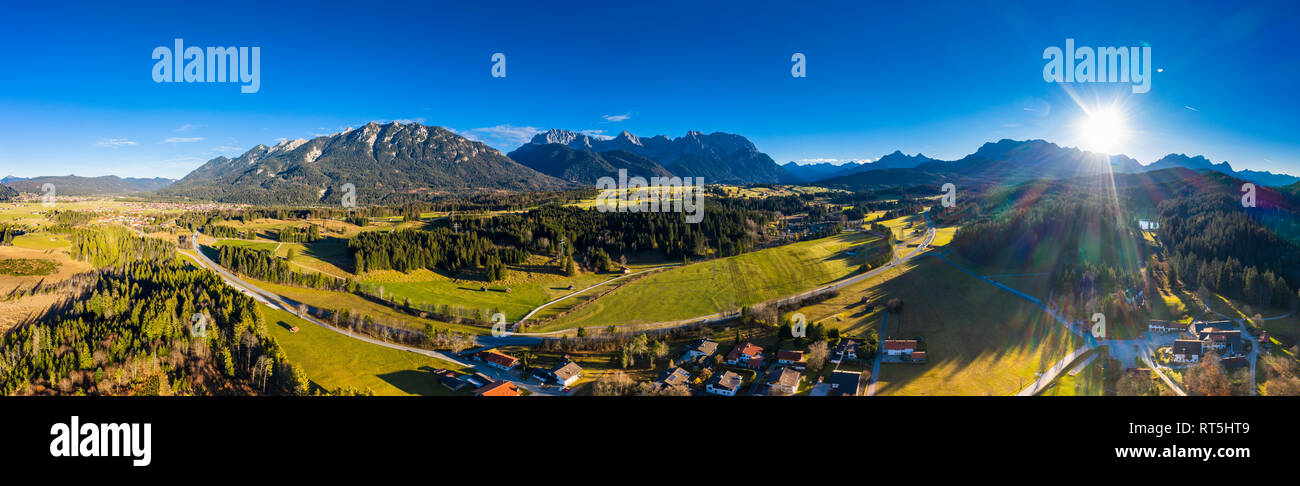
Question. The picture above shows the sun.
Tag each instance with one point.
(1103, 131)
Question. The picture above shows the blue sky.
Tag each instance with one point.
(76, 93)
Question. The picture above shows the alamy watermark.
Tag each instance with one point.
(948, 198)
(659, 194)
(1099, 65)
(349, 197)
(179, 64)
(48, 195)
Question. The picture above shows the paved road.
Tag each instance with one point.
(274, 300)
(875, 368)
(1047, 377)
(1146, 358)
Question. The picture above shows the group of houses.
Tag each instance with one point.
(847, 349)
(565, 374)
(782, 378)
(483, 385)
(1200, 337)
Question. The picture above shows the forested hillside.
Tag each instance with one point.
(131, 328)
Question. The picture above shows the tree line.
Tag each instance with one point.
(1212, 241)
(133, 330)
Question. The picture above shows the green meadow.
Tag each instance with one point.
(723, 284)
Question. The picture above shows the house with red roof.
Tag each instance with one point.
(746, 354)
(792, 358)
(899, 347)
(499, 388)
(497, 360)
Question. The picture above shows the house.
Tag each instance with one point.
(567, 373)
(674, 376)
(1201, 328)
(702, 348)
(563, 375)
(449, 379)
(900, 347)
(1187, 351)
(726, 383)
(791, 358)
(1227, 343)
(500, 388)
(917, 357)
(1234, 362)
(474, 381)
(848, 349)
(746, 354)
(1166, 326)
(497, 360)
(782, 381)
(845, 383)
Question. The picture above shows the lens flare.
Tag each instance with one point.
(1103, 131)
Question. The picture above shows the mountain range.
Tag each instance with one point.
(72, 185)
(820, 170)
(1016, 160)
(718, 157)
(585, 166)
(386, 163)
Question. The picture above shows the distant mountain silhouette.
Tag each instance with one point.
(818, 171)
(72, 185)
(1013, 160)
(717, 157)
(585, 166)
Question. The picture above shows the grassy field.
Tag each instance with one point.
(1097, 378)
(17, 310)
(981, 340)
(530, 285)
(328, 299)
(65, 266)
(717, 285)
(26, 267)
(333, 360)
(42, 241)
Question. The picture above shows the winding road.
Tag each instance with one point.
(273, 300)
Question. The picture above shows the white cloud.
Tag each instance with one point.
(114, 142)
(832, 160)
(598, 134)
(1190, 108)
(185, 128)
(183, 140)
(504, 134)
(617, 118)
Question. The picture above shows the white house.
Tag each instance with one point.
(725, 383)
(899, 347)
(567, 374)
(703, 347)
(1187, 351)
